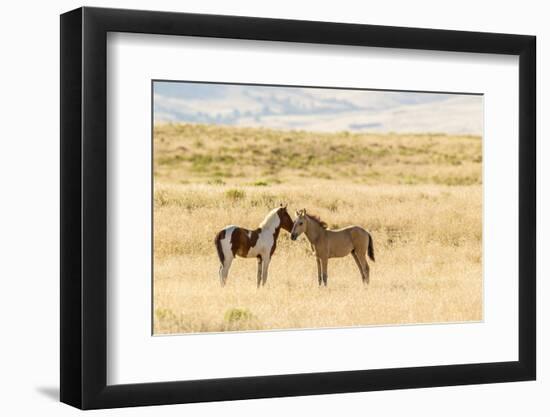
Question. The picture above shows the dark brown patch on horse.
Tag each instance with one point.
(217, 241)
(285, 221)
(241, 242)
(318, 220)
(275, 237)
(254, 236)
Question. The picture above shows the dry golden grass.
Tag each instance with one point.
(423, 208)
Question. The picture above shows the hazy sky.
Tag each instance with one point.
(318, 109)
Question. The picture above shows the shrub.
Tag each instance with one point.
(234, 315)
(235, 194)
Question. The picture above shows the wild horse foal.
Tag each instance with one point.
(260, 243)
(334, 243)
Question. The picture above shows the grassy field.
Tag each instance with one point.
(419, 195)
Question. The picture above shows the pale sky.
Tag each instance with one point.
(318, 109)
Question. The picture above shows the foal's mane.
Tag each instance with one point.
(317, 220)
(269, 218)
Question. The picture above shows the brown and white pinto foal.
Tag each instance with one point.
(260, 243)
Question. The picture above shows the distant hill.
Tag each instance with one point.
(239, 155)
(316, 109)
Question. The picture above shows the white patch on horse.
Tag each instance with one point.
(226, 243)
(265, 239)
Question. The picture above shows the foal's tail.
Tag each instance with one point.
(370, 249)
(217, 242)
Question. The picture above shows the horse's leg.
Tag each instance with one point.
(224, 271)
(324, 265)
(364, 264)
(361, 246)
(319, 271)
(259, 277)
(265, 266)
(361, 269)
(367, 269)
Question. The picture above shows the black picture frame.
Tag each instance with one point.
(84, 207)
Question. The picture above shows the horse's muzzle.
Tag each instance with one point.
(293, 237)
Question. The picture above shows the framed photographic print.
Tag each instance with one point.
(256, 207)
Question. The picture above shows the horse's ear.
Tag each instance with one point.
(298, 212)
(304, 211)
